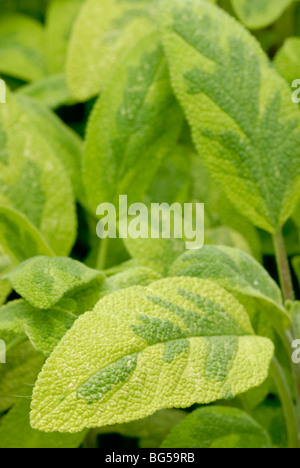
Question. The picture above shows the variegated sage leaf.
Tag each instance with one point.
(43, 328)
(19, 238)
(103, 32)
(133, 127)
(238, 272)
(258, 14)
(243, 121)
(21, 47)
(43, 281)
(218, 427)
(177, 342)
(33, 181)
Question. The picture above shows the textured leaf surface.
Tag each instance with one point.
(19, 374)
(26, 437)
(110, 28)
(60, 18)
(19, 238)
(138, 276)
(21, 47)
(218, 427)
(51, 91)
(243, 121)
(44, 328)
(287, 60)
(257, 14)
(33, 180)
(65, 143)
(43, 281)
(134, 124)
(177, 342)
(237, 271)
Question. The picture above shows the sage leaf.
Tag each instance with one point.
(51, 91)
(134, 123)
(287, 60)
(27, 437)
(21, 47)
(19, 238)
(218, 427)
(43, 281)
(110, 29)
(238, 272)
(152, 343)
(258, 14)
(43, 328)
(243, 121)
(33, 181)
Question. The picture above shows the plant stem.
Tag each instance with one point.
(287, 403)
(102, 255)
(283, 267)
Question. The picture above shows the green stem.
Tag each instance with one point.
(102, 255)
(287, 404)
(283, 267)
(91, 440)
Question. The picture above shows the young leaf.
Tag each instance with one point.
(218, 427)
(43, 281)
(33, 180)
(60, 18)
(19, 374)
(59, 137)
(174, 343)
(258, 14)
(238, 272)
(243, 121)
(134, 125)
(103, 32)
(51, 91)
(21, 47)
(27, 437)
(287, 60)
(43, 328)
(19, 238)
(271, 416)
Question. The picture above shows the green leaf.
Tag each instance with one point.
(51, 91)
(59, 137)
(134, 124)
(15, 432)
(60, 18)
(238, 272)
(19, 373)
(19, 238)
(225, 236)
(271, 416)
(287, 60)
(33, 180)
(43, 328)
(21, 47)
(258, 14)
(218, 427)
(138, 276)
(103, 32)
(172, 344)
(243, 120)
(43, 281)
(151, 431)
